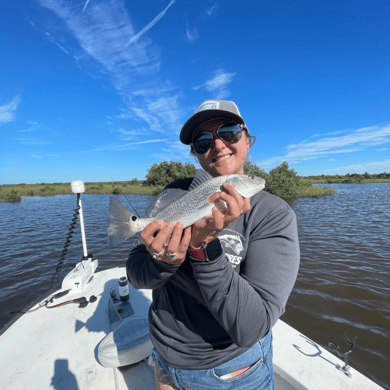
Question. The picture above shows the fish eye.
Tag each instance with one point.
(133, 218)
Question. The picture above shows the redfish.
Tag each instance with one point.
(178, 205)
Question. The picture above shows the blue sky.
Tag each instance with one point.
(100, 88)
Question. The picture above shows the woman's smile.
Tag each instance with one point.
(223, 158)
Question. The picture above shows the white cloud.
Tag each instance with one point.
(212, 9)
(86, 5)
(7, 111)
(32, 141)
(122, 146)
(218, 84)
(178, 150)
(53, 39)
(192, 35)
(40, 157)
(355, 141)
(377, 166)
(32, 126)
(128, 135)
(106, 35)
(150, 25)
(167, 110)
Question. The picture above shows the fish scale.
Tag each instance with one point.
(196, 198)
(178, 205)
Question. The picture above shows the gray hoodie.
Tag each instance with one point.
(204, 314)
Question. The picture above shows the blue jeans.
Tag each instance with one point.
(259, 376)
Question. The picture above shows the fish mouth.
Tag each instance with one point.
(220, 158)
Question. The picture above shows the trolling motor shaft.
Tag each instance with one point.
(84, 270)
(79, 188)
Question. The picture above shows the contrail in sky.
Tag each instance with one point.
(150, 25)
(86, 5)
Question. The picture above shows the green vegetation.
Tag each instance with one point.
(280, 181)
(166, 172)
(285, 183)
(17, 191)
(351, 178)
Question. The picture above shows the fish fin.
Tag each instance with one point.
(201, 176)
(118, 227)
(165, 200)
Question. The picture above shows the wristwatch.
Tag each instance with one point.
(207, 252)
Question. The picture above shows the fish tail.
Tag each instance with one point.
(119, 223)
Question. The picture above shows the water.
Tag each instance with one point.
(344, 277)
(343, 281)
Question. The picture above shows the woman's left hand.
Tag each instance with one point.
(206, 229)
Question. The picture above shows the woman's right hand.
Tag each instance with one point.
(170, 239)
(207, 229)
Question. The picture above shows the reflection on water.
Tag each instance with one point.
(343, 282)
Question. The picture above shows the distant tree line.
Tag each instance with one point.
(350, 178)
(166, 172)
(280, 181)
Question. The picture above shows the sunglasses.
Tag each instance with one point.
(231, 133)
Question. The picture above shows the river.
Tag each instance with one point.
(343, 281)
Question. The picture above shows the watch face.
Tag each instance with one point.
(213, 250)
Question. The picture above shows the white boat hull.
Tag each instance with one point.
(57, 349)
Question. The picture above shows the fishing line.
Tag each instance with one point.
(135, 210)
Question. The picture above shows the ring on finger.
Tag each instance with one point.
(166, 242)
(155, 254)
(171, 256)
(241, 211)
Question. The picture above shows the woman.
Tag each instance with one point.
(220, 285)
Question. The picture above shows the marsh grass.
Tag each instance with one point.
(347, 181)
(15, 192)
(312, 191)
(12, 193)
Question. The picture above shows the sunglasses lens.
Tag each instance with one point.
(230, 133)
(202, 143)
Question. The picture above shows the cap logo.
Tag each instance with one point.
(210, 105)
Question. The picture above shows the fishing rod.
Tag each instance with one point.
(135, 210)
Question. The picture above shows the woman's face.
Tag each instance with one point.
(223, 158)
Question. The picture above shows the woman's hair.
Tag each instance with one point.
(251, 139)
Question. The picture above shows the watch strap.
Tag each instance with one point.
(197, 254)
(208, 252)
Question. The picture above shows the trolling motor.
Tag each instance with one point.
(83, 272)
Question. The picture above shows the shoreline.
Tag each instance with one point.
(15, 192)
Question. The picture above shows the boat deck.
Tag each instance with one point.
(57, 349)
